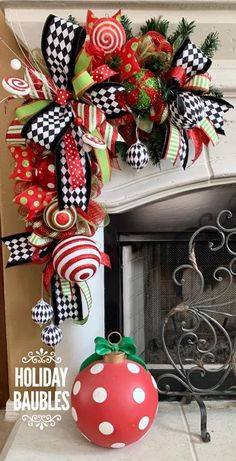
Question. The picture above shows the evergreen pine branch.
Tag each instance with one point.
(156, 143)
(216, 92)
(183, 30)
(157, 25)
(211, 44)
(121, 149)
(73, 19)
(127, 24)
(114, 62)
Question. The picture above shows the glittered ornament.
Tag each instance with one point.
(114, 401)
(59, 220)
(51, 335)
(45, 172)
(42, 312)
(76, 258)
(142, 89)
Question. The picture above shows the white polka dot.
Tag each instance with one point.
(97, 368)
(106, 428)
(76, 387)
(50, 185)
(85, 436)
(154, 382)
(133, 368)
(99, 395)
(138, 395)
(143, 423)
(74, 414)
(118, 445)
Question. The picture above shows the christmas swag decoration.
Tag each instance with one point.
(94, 92)
(114, 398)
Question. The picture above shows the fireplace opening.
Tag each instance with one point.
(150, 292)
(147, 246)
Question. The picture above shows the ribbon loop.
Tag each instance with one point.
(103, 346)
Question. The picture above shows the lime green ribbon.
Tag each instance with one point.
(103, 347)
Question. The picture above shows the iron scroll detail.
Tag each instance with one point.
(202, 313)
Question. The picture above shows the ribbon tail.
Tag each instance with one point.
(209, 130)
(73, 159)
(110, 135)
(184, 150)
(83, 286)
(67, 196)
(102, 156)
(65, 288)
(21, 251)
(105, 260)
(47, 275)
(66, 299)
(173, 144)
(215, 109)
(196, 138)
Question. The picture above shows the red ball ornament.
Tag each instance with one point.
(114, 403)
(59, 220)
(142, 89)
(45, 172)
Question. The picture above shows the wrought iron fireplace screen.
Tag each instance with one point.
(162, 293)
(190, 312)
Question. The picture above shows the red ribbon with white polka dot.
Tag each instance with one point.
(63, 97)
(75, 167)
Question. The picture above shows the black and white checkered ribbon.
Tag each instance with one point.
(191, 59)
(21, 251)
(67, 307)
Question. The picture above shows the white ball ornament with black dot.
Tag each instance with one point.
(42, 312)
(51, 335)
(137, 155)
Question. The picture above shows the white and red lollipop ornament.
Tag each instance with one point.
(108, 34)
(92, 141)
(16, 86)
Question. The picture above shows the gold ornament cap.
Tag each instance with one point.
(114, 356)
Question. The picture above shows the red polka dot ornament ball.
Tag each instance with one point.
(114, 400)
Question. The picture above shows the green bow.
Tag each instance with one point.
(103, 346)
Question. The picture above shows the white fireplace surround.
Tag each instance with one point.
(130, 189)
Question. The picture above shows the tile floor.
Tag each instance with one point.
(5, 429)
(173, 437)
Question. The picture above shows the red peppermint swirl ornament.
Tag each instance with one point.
(16, 86)
(59, 220)
(76, 258)
(108, 34)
